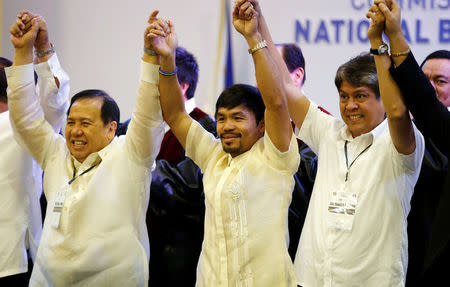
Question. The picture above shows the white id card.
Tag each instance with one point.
(341, 210)
(58, 206)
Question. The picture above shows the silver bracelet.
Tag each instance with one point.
(150, 52)
(45, 53)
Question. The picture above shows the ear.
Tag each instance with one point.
(112, 130)
(184, 87)
(3, 107)
(297, 76)
(261, 127)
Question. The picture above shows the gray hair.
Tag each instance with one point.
(359, 71)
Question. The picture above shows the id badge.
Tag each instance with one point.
(58, 206)
(341, 210)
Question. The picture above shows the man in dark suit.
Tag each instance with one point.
(433, 119)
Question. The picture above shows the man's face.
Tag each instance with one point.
(237, 129)
(360, 109)
(85, 131)
(438, 72)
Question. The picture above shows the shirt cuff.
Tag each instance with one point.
(149, 73)
(50, 68)
(19, 75)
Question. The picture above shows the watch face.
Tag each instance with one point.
(383, 49)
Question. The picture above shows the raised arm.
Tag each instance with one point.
(53, 84)
(298, 104)
(146, 129)
(164, 42)
(430, 115)
(400, 125)
(276, 116)
(30, 128)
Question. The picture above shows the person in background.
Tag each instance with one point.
(436, 67)
(20, 175)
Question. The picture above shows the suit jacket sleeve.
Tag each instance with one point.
(430, 115)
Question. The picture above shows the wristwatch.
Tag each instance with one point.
(383, 49)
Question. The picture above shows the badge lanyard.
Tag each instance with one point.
(61, 197)
(346, 158)
(342, 205)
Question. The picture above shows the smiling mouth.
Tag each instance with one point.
(354, 117)
(229, 136)
(78, 143)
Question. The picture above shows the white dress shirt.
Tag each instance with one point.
(102, 236)
(247, 199)
(373, 249)
(21, 176)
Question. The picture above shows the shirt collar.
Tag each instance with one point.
(94, 158)
(346, 135)
(237, 159)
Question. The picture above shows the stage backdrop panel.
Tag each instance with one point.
(99, 43)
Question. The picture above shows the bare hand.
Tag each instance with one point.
(255, 4)
(377, 23)
(42, 42)
(245, 18)
(24, 39)
(161, 36)
(393, 17)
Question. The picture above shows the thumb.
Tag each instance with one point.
(385, 11)
(34, 26)
(171, 26)
(153, 16)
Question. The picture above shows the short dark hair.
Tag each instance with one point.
(109, 111)
(187, 70)
(359, 71)
(293, 57)
(242, 94)
(439, 54)
(3, 83)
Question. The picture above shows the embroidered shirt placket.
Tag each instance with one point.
(239, 226)
(221, 191)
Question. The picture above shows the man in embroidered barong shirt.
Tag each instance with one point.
(248, 172)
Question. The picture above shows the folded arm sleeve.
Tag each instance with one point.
(54, 100)
(430, 115)
(146, 129)
(31, 130)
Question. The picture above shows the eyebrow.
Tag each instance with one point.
(233, 114)
(362, 89)
(80, 119)
(440, 76)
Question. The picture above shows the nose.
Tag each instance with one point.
(351, 105)
(228, 125)
(76, 131)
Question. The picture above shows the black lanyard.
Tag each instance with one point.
(346, 158)
(86, 171)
